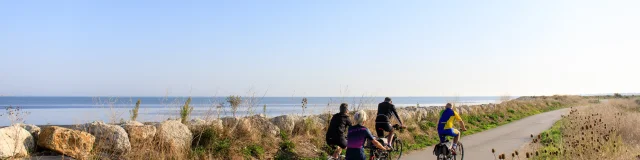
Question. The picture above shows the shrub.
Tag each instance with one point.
(253, 150)
(134, 111)
(426, 125)
(264, 109)
(304, 104)
(493, 116)
(234, 102)
(617, 95)
(185, 111)
(470, 119)
(199, 151)
(209, 141)
(286, 151)
(286, 144)
(205, 137)
(221, 147)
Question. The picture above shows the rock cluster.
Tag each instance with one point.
(98, 138)
(116, 141)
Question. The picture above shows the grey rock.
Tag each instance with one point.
(286, 123)
(174, 136)
(111, 140)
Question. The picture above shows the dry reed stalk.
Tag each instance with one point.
(600, 131)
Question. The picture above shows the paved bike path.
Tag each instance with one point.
(504, 139)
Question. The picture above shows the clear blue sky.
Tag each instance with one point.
(321, 48)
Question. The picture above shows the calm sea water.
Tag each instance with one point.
(76, 110)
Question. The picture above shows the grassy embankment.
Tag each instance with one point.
(607, 130)
(249, 138)
(307, 140)
(426, 134)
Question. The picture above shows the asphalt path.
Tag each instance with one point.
(504, 139)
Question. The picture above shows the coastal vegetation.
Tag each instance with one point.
(281, 137)
(599, 131)
(185, 111)
(303, 137)
(134, 111)
(423, 133)
(234, 102)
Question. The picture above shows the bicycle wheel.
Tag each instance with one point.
(397, 150)
(378, 155)
(459, 152)
(373, 154)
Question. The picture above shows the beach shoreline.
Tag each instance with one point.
(72, 110)
(267, 133)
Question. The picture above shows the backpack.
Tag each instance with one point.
(441, 149)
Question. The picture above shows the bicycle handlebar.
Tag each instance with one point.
(398, 127)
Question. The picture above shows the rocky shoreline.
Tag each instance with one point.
(115, 141)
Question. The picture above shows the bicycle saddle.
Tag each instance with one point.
(384, 141)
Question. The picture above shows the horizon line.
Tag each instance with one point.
(586, 94)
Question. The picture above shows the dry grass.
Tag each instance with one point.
(505, 97)
(246, 140)
(249, 139)
(602, 131)
(110, 103)
(15, 115)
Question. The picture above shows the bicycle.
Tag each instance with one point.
(378, 154)
(443, 151)
(341, 157)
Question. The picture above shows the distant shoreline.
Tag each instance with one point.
(77, 110)
(72, 125)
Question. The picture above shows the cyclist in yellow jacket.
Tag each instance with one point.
(445, 125)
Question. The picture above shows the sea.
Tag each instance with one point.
(79, 110)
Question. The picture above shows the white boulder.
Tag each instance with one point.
(174, 136)
(15, 141)
(111, 140)
(286, 123)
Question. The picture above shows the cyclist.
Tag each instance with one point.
(335, 136)
(356, 137)
(385, 110)
(445, 125)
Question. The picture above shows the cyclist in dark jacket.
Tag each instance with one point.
(336, 137)
(386, 109)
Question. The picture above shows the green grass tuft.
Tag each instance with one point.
(134, 111)
(185, 111)
(253, 150)
(287, 147)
